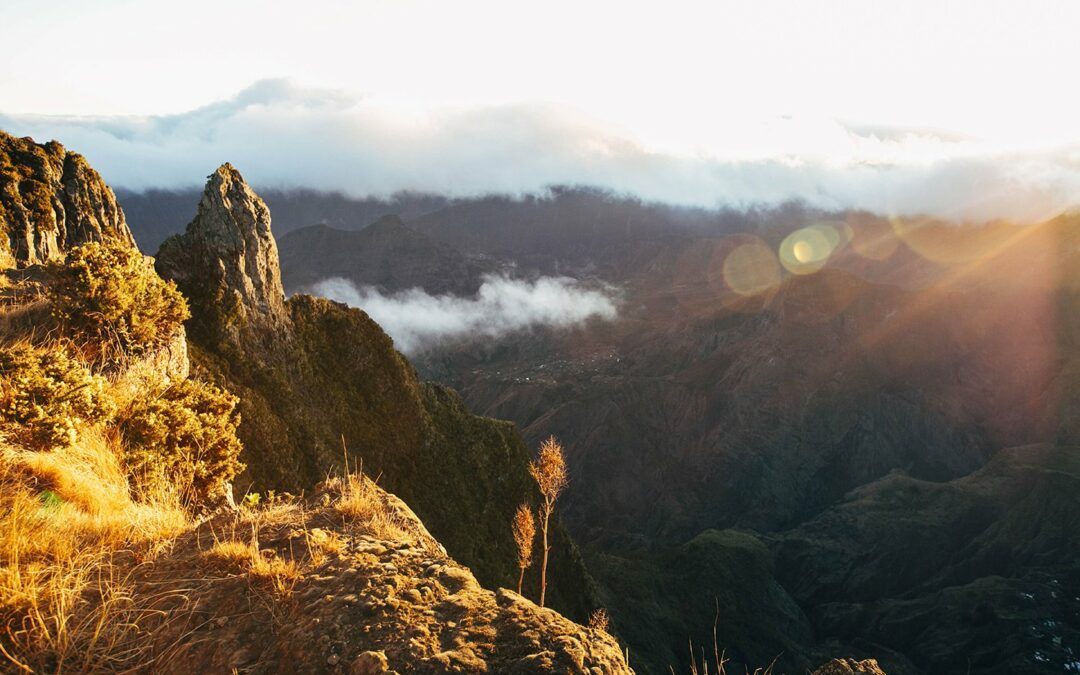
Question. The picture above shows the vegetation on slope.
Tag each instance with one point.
(313, 375)
(76, 515)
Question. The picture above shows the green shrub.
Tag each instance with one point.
(110, 293)
(45, 394)
(187, 437)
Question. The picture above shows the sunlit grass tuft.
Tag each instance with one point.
(66, 515)
(365, 508)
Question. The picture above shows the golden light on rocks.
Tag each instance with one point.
(751, 268)
(806, 250)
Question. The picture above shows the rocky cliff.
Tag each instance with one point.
(318, 381)
(227, 261)
(50, 201)
(97, 578)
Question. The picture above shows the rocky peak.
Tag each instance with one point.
(227, 259)
(51, 201)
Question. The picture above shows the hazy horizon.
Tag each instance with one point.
(963, 113)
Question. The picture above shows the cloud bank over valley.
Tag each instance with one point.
(418, 321)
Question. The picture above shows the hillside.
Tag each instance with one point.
(710, 426)
(122, 550)
(386, 254)
(313, 375)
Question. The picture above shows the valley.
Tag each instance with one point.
(730, 447)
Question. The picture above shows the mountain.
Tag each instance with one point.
(105, 570)
(158, 214)
(386, 254)
(724, 444)
(320, 383)
(100, 576)
(50, 201)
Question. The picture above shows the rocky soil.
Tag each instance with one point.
(368, 603)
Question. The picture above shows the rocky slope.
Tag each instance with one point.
(51, 200)
(330, 583)
(361, 601)
(318, 380)
(978, 573)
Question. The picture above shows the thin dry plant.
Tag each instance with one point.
(524, 534)
(551, 476)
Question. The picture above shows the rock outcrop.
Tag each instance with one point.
(50, 201)
(348, 580)
(314, 376)
(227, 260)
(850, 667)
(362, 602)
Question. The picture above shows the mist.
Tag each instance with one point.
(418, 321)
(280, 134)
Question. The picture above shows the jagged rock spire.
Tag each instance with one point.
(226, 263)
(51, 200)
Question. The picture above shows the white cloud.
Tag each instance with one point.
(418, 321)
(281, 134)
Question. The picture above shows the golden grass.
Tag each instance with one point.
(24, 312)
(230, 555)
(279, 573)
(237, 556)
(65, 515)
(599, 620)
(322, 544)
(363, 505)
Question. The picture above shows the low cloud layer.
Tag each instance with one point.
(419, 321)
(281, 135)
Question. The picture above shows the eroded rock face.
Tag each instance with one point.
(50, 201)
(227, 259)
(364, 601)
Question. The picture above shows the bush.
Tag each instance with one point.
(45, 395)
(111, 294)
(187, 437)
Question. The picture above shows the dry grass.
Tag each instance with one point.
(235, 555)
(364, 507)
(700, 662)
(24, 313)
(230, 555)
(280, 574)
(65, 519)
(322, 544)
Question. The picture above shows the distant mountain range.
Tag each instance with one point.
(875, 458)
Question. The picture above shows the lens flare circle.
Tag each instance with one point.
(751, 269)
(806, 250)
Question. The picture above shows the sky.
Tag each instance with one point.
(961, 109)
